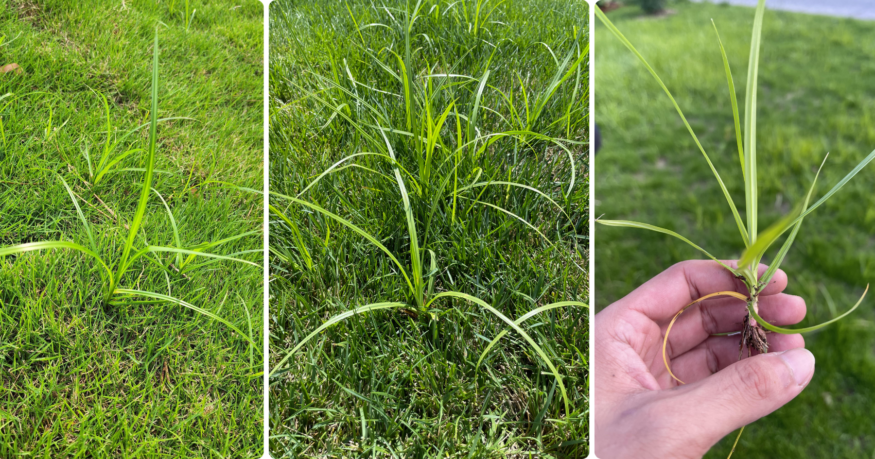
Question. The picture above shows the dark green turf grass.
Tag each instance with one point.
(816, 96)
(406, 384)
(80, 378)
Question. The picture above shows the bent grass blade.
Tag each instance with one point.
(202, 311)
(338, 318)
(526, 317)
(517, 329)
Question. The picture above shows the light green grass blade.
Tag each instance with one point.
(616, 32)
(752, 255)
(522, 135)
(563, 73)
(338, 318)
(501, 209)
(524, 318)
(517, 329)
(791, 331)
(159, 249)
(519, 185)
(472, 119)
(334, 166)
(739, 139)
(415, 260)
(82, 218)
(173, 226)
(776, 263)
(630, 224)
(32, 246)
(150, 165)
(353, 227)
(209, 245)
(211, 315)
(102, 171)
(837, 186)
(750, 124)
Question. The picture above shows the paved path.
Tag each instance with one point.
(859, 9)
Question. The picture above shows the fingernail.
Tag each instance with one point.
(801, 364)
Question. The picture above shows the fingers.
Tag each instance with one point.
(725, 315)
(663, 296)
(740, 394)
(718, 352)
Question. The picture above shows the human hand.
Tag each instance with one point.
(642, 412)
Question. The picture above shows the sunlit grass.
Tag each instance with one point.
(429, 190)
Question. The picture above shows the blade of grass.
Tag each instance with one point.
(734, 99)
(630, 224)
(776, 263)
(607, 22)
(517, 329)
(173, 226)
(353, 227)
(82, 218)
(791, 331)
(32, 246)
(526, 317)
(210, 314)
(338, 318)
(150, 165)
(415, 260)
(750, 123)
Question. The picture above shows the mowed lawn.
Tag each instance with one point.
(817, 95)
(80, 377)
(407, 381)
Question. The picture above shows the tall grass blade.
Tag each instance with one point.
(791, 331)
(150, 165)
(299, 239)
(82, 218)
(750, 123)
(415, 260)
(837, 186)
(607, 22)
(173, 226)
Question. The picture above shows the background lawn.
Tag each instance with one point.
(399, 383)
(817, 95)
(79, 378)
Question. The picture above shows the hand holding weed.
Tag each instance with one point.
(640, 410)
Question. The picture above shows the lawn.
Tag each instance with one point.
(421, 149)
(130, 377)
(816, 96)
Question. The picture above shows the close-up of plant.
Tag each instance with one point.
(418, 132)
(130, 272)
(756, 243)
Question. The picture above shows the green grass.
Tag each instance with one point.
(81, 375)
(812, 100)
(417, 217)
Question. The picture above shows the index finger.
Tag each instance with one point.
(663, 296)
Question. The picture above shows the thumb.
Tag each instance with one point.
(743, 392)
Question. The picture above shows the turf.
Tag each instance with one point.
(403, 383)
(81, 378)
(814, 98)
